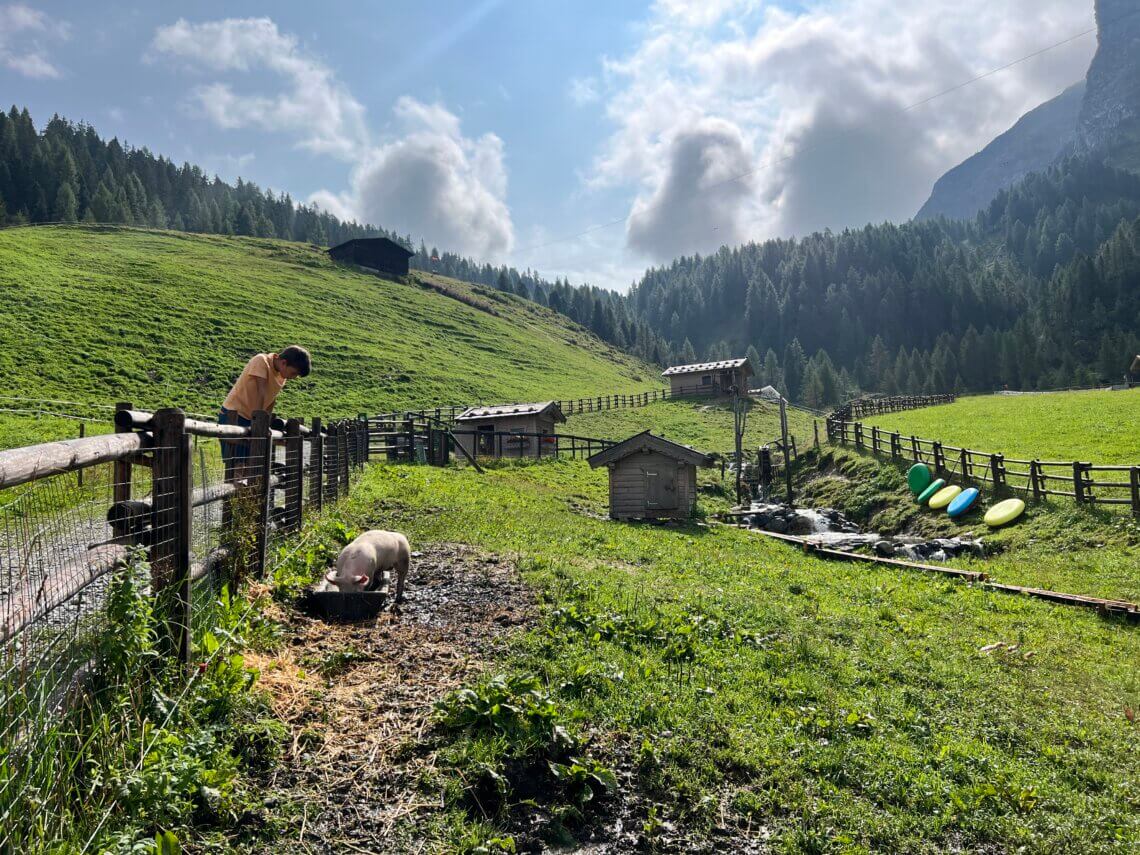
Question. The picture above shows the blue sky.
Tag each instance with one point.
(505, 129)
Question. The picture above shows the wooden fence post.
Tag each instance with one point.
(1078, 483)
(815, 428)
(939, 458)
(858, 435)
(170, 524)
(410, 439)
(997, 468)
(914, 448)
(79, 473)
(875, 439)
(316, 464)
(331, 466)
(261, 456)
(896, 445)
(1035, 479)
(294, 473)
(965, 458)
(121, 470)
(1134, 483)
(342, 458)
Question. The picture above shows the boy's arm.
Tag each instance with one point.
(259, 384)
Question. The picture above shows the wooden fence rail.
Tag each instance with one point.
(863, 407)
(1084, 482)
(162, 523)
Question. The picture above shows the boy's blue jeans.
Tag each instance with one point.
(234, 450)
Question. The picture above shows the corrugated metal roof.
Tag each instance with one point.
(698, 367)
(500, 411)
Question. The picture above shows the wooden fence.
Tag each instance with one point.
(863, 407)
(418, 437)
(446, 413)
(316, 466)
(1085, 483)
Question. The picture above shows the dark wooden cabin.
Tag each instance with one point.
(379, 254)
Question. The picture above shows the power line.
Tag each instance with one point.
(775, 162)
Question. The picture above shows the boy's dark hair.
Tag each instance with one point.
(297, 357)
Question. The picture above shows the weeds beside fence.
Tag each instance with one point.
(1036, 479)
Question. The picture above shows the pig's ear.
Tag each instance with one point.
(331, 575)
(360, 580)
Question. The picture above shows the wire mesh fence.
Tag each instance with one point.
(191, 504)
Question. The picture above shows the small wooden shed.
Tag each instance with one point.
(509, 430)
(709, 378)
(377, 254)
(651, 477)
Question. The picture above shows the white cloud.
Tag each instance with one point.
(23, 33)
(432, 182)
(428, 180)
(702, 184)
(583, 90)
(314, 106)
(815, 105)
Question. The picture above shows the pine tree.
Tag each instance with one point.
(687, 355)
(795, 365)
(65, 209)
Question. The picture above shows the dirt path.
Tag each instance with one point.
(358, 698)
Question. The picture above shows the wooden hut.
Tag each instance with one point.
(651, 477)
(378, 255)
(709, 378)
(509, 430)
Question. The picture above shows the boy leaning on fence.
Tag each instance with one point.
(257, 388)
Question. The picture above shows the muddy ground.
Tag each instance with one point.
(358, 697)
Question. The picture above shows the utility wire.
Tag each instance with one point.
(776, 161)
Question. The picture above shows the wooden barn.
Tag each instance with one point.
(508, 430)
(651, 477)
(709, 378)
(376, 254)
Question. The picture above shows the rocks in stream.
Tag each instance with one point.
(783, 519)
(828, 527)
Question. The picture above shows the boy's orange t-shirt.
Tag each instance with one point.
(243, 398)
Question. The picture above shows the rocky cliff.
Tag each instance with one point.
(1109, 120)
(1029, 146)
(1098, 117)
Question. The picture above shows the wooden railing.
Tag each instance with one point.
(162, 522)
(1085, 483)
(863, 407)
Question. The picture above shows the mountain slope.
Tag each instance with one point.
(1110, 115)
(165, 318)
(1031, 145)
(1098, 117)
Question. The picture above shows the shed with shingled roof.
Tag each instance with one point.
(508, 430)
(651, 477)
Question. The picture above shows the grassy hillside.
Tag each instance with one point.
(163, 318)
(701, 423)
(1098, 427)
(747, 692)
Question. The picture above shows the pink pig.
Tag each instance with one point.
(361, 565)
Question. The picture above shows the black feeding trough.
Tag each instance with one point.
(343, 605)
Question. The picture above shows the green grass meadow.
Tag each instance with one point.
(826, 707)
(704, 424)
(1094, 427)
(169, 319)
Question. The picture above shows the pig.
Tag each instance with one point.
(361, 565)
